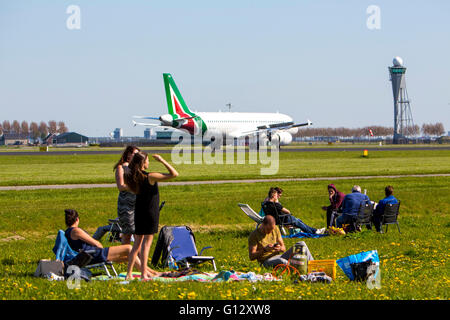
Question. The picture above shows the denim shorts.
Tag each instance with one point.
(100, 255)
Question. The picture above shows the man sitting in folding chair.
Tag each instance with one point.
(351, 206)
(379, 210)
(283, 216)
(80, 240)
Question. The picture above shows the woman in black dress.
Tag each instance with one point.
(146, 212)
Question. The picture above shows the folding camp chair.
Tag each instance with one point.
(364, 216)
(183, 248)
(390, 216)
(250, 213)
(178, 243)
(114, 231)
(104, 267)
(65, 253)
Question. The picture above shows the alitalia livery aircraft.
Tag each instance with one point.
(226, 124)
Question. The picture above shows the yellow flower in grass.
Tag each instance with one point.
(288, 290)
(191, 295)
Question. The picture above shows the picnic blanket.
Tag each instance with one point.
(222, 276)
(305, 235)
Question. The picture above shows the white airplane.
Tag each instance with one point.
(226, 124)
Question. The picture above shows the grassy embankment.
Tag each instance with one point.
(91, 168)
(414, 264)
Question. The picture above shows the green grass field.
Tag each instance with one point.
(414, 264)
(89, 168)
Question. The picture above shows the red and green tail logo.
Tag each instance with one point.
(179, 110)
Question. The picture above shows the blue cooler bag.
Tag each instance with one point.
(345, 263)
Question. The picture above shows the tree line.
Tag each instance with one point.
(427, 129)
(433, 129)
(33, 129)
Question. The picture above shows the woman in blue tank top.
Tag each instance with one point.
(79, 239)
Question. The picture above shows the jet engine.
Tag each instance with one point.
(284, 137)
(166, 119)
(292, 131)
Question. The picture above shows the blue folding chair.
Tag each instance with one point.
(62, 250)
(65, 253)
(183, 249)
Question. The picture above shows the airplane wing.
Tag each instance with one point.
(150, 118)
(146, 124)
(275, 127)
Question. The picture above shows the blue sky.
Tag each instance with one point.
(310, 59)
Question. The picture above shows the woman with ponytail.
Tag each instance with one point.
(146, 213)
(126, 199)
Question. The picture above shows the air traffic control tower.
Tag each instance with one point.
(403, 120)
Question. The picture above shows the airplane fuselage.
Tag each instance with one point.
(232, 124)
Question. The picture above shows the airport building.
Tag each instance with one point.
(13, 139)
(118, 133)
(163, 134)
(148, 133)
(67, 139)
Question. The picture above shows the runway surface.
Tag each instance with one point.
(118, 152)
(181, 183)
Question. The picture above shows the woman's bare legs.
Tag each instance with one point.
(145, 248)
(119, 253)
(126, 239)
(132, 257)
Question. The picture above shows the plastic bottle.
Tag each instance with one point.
(172, 264)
